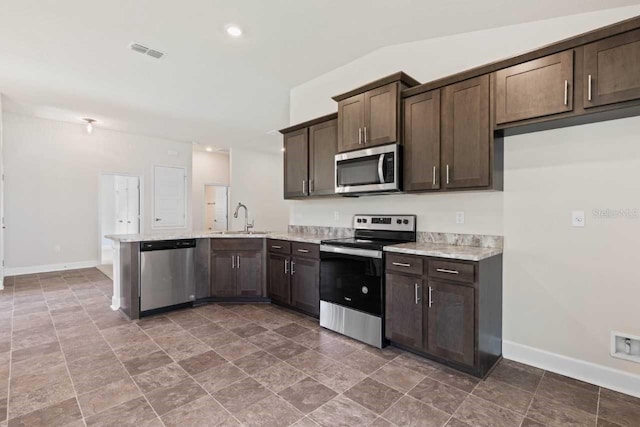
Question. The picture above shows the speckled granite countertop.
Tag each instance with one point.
(283, 235)
(467, 253)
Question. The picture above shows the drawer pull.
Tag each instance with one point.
(445, 270)
(304, 251)
(401, 264)
(276, 247)
(430, 296)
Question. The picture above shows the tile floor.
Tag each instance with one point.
(67, 359)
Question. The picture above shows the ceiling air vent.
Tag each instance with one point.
(137, 47)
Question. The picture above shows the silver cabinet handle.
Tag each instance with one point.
(304, 186)
(238, 261)
(286, 266)
(276, 247)
(430, 296)
(445, 270)
(433, 179)
(359, 135)
(304, 251)
(293, 268)
(401, 264)
(566, 92)
(590, 80)
(233, 261)
(311, 186)
(447, 174)
(365, 134)
(417, 292)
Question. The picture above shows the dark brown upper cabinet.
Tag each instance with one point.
(466, 135)
(450, 320)
(323, 146)
(422, 141)
(351, 121)
(612, 70)
(370, 115)
(296, 163)
(536, 88)
(309, 157)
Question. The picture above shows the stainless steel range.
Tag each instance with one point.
(352, 276)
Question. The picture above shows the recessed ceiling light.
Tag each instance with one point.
(234, 30)
(209, 149)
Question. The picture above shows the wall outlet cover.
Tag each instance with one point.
(459, 217)
(577, 218)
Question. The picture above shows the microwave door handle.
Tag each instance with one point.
(381, 168)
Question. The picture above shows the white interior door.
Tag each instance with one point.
(169, 197)
(221, 209)
(133, 205)
(121, 204)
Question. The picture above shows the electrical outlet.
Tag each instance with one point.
(577, 218)
(459, 217)
(625, 346)
(336, 215)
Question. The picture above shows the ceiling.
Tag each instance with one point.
(67, 59)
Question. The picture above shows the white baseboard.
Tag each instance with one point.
(603, 376)
(18, 271)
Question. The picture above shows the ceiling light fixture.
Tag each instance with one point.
(89, 123)
(234, 30)
(209, 149)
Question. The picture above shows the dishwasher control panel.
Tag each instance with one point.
(159, 245)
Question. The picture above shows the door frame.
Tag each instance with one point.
(140, 203)
(204, 201)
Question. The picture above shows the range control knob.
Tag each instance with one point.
(406, 221)
(365, 290)
(399, 221)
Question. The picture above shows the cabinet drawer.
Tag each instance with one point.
(307, 250)
(279, 246)
(404, 264)
(457, 271)
(250, 244)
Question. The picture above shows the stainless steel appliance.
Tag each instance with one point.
(167, 274)
(371, 170)
(352, 276)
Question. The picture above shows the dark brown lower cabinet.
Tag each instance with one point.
(450, 321)
(294, 275)
(305, 284)
(403, 310)
(279, 277)
(237, 268)
(456, 321)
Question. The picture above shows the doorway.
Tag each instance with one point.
(216, 207)
(119, 211)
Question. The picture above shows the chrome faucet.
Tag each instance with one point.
(247, 225)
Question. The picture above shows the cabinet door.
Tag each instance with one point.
(450, 321)
(279, 285)
(536, 88)
(381, 115)
(323, 145)
(249, 274)
(350, 123)
(614, 67)
(296, 163)
(305, 285)
(466, 134)
(422, 141)
(403, 310)
(223, 274)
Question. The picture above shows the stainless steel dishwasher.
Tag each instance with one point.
(167, 274)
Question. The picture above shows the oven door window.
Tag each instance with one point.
(360, 171)
(352, 281)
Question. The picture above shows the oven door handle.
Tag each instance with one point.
(368, 253)
(381, 168)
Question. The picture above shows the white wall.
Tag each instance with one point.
(1, 197)
(208, 168)
(257, 182)
(52, 176)
(565, 288)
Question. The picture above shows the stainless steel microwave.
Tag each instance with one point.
(371, 170)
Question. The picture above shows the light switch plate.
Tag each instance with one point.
(577, 218)
(459, 217)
